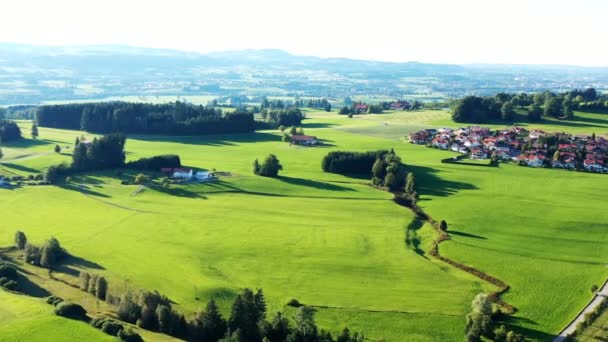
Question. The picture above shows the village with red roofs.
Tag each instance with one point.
(534, 148)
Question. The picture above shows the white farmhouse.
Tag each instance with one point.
(182, 173)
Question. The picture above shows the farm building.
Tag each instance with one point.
(304, 140)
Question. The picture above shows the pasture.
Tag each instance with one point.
(327, 240)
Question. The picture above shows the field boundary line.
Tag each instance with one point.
(444, 236)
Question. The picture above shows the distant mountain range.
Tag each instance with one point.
(32, 74)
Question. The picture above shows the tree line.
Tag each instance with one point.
(9, 131)
(503, 106)
(346, 162)
(177, 118)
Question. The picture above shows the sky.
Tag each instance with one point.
(433, 31)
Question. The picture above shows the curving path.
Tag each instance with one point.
(595, 302)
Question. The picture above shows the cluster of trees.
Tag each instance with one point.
(106, 152)
(94, 284)
(273, 104)
(479, 323)
(319, 104)
(389, 171)
(9, 131)
(171, 118)
(283, 117)
(502, 106)
(47, 255)
(270, 167)
(345, 162)
(371, 109)
(155, 163)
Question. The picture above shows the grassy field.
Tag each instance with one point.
(327, 239)
(25, 318)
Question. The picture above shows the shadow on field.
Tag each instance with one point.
(178, 192)
(313, 184)
(412, 240)
(515, 323)
(211, 140)
(20, 168)
(81, 262)
(27, 143)
(429, 183)
(30, 288)
(82, 189)
(317, 125)
(455, 232)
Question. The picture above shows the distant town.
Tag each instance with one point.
(534, 148)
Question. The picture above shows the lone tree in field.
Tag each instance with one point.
(57, 149)
(270, 167)
(34, 131)
(20, 239)
(443, 225)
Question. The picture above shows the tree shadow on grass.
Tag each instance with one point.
(81, 262)
(455, 232)
(211, 140)
(429, 183)
(27, 143)
(20, 168)
(317, 125)
(313, 184)
(30, 288)
(83, 189)
(176, 191)
(412, 240)
(514, 323)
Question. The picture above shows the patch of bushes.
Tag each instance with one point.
(270, 167)
(48, 255)
(8, 277)
(71, 310)
(294, 303)
(54, 300)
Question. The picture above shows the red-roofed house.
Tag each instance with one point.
(304, 140)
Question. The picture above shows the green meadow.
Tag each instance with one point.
(326, 240)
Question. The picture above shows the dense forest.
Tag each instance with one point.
(504, 107)
(172, 118)
(9, 131)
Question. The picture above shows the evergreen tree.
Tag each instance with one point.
(102, 288)
(34, 131)
(378, 171)
(256, 167)
(20, 240)
(213, 325)
(57, 149)
(47, 257)
(279, 328)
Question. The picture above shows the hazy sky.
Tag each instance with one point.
(443, 31)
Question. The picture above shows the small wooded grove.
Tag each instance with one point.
(9, 131)
(503, 106)
(105, 153)
(176, 118)
(386, 168)
(345, 162)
